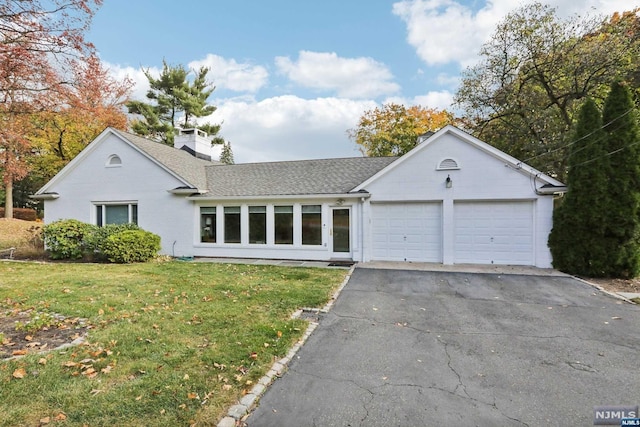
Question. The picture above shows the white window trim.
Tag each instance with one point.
(129, 203)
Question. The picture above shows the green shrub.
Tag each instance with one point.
(65, 239)
(131, 246)
(94, 243)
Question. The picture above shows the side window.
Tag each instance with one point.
(312, 225)
(232, 224)
(283, 225)
(208, 225)
(116, 214)
(258, 224)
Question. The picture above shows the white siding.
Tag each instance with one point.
(482, 177)
(138, 180)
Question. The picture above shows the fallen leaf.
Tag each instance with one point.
(192, 396)
(266, 344)
(21, 352)
(60, 417)
(70, 364)
(45, 420)
(28, 338)
(106, 369)
(42, 361)
(183, 406)
(139, 397)
(186, 377)
(95, 391)
(279, 333)
(254, 355)
(19, 373)
(227, 387)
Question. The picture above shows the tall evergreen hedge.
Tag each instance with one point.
(596, 229)
(622, 222)
(578, 221)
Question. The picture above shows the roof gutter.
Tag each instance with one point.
(356, 195)
(186, 191)
(551, 190)
(44, 196)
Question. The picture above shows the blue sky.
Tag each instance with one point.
(292, 76)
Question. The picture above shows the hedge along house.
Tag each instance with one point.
(452, 199)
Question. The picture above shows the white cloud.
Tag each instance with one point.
(442, 31)
(232, 75)
(447, 31)
(139, 90)
(289, 127)
(439, 100)
(348, 77)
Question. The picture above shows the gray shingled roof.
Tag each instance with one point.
(183, 164)
(304, 177)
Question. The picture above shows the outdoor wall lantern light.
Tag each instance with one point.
(448, 182)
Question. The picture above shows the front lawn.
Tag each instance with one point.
(169, 344)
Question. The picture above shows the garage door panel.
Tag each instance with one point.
(493, 232)
(412, 232)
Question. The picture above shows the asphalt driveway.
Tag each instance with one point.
(417, 348)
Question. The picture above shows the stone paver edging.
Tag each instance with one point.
(249, 400)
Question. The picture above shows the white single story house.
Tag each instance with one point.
(452, 199)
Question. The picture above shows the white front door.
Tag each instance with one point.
(340, 232)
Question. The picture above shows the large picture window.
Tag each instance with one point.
(208, 225)
(116, 214)
(312, 225)
(258, 224)
(283, 225)
(232, 224)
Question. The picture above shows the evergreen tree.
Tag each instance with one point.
(576, 241)
(175, 101)
(226, 155)
(622, 224)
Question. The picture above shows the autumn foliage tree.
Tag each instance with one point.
(393, 129)
(93, 101)
(524, 94)
(39, 39)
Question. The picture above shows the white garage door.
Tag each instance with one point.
(407, 232)
(493, 233)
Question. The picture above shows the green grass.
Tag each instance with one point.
(171, 343)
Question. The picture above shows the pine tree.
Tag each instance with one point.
(175, 101)
(576, 241)
(622, 224)
(226, 155)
